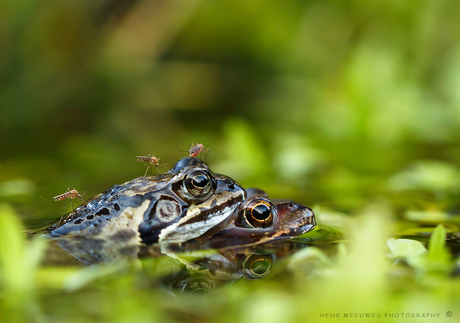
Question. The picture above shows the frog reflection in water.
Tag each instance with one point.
(182, 204)
(224, 267)
(189, 273)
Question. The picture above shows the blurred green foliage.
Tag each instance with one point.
(19, 263)
(329, 102)
(348, 105)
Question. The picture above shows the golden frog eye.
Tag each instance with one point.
(198, 183)
(259, 213)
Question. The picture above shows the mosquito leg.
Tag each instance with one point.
(62, 216)
(82, 202)
(148, 166)
(206, 153)
(158, 169)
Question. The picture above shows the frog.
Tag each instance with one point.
(179, 205)
(258, 220)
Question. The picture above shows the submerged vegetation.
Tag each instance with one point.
(350, 107)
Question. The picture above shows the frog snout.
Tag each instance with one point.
(235, 187)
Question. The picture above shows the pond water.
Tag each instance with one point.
(317, 276)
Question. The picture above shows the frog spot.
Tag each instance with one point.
(104, 211)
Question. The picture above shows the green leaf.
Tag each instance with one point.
(438, 258)
(405, 248)
(438, 253)
(437, 241)
(11, 252)
(19, 261)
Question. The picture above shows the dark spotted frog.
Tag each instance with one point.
(180, 205)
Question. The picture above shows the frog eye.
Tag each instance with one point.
(258, 213)
(257, 266)
(198, 183)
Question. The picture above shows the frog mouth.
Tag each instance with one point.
(198, 220)
(306, 224)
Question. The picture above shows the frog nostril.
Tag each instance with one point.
(230, 184)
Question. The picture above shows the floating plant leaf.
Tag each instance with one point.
(405, 248)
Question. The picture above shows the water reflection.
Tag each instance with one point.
(192, 272)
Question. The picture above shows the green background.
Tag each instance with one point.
(352, 107)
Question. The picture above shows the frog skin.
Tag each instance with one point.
(180, 205)
(259, 220)
(188, 161)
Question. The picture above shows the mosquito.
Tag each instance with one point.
(152, 160)
(196, 149)
(70, 194)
